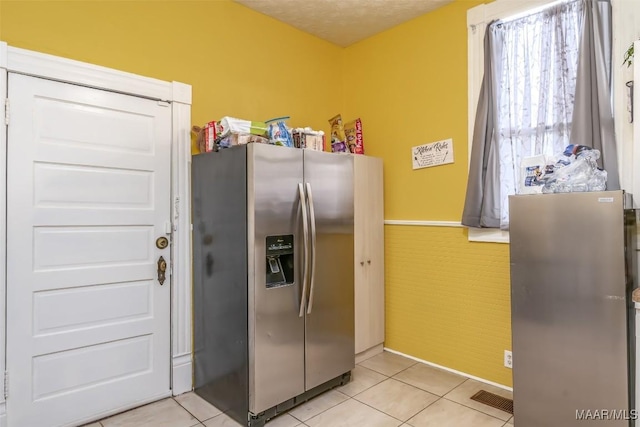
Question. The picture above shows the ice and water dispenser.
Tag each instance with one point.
(279, 256)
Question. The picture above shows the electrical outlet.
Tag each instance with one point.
(508, 359)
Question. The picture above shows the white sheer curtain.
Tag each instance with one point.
(536, 88)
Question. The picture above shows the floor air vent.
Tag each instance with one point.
(494, 400)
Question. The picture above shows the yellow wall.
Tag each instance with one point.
(239, 62)
(447, 300)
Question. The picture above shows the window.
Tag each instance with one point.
(533, 121)
(538, 59)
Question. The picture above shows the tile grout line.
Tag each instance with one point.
(419, 388)
(199, 420)
(477, 410)
(382, 412)
(396, 418)
(442, 397)
(321, 412)
(386, 377)
(450, 400)
(391, 376)
(371, 386)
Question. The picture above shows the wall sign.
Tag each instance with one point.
(434, 154)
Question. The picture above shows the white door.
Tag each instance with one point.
(88, 323)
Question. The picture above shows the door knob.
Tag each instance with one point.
(162, 242)
(162, 267)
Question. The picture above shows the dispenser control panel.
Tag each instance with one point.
(279, 261)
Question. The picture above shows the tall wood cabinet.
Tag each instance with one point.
(369, 255)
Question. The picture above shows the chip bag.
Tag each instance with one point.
(338, 137)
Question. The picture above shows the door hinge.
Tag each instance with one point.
(6, 111)
(6, 385)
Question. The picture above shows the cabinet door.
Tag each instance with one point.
(374, 262)
(369, 253)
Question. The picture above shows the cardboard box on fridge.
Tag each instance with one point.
(307, 138)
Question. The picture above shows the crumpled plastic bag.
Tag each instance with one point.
(575, 171)
(279, 133)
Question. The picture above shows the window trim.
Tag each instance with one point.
(477, 19)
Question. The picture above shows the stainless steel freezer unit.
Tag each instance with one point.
(273, 277)
(572, 274)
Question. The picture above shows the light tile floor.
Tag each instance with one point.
(386, 390)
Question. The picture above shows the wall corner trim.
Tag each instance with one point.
(181, 92)
(181, 317)
(3, 54)
(182, 374)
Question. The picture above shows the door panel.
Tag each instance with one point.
(88, 180)
(330, 349)
(277, 371)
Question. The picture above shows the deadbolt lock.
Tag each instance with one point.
(162, 267)
(162, 242)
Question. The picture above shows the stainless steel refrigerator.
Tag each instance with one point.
(572, 273)
(273, 277)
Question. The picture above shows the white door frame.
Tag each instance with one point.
(179, 94)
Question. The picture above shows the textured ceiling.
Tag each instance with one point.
(343, 22)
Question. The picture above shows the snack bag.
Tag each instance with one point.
(278, 132)
(206, 136)
(353, 132)
(350, 133)
(229, 125)
(210, 135)
(338, 137)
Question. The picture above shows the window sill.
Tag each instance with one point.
(488, 235)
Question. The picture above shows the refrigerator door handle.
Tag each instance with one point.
(305, 252)
(312, 220)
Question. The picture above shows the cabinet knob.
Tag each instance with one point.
(368, 261)
(361, 262)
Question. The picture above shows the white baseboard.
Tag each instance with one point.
(182, 374)
(464, 374)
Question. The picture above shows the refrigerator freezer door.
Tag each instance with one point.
(276, 332)
(330, 348)
(569, 307)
